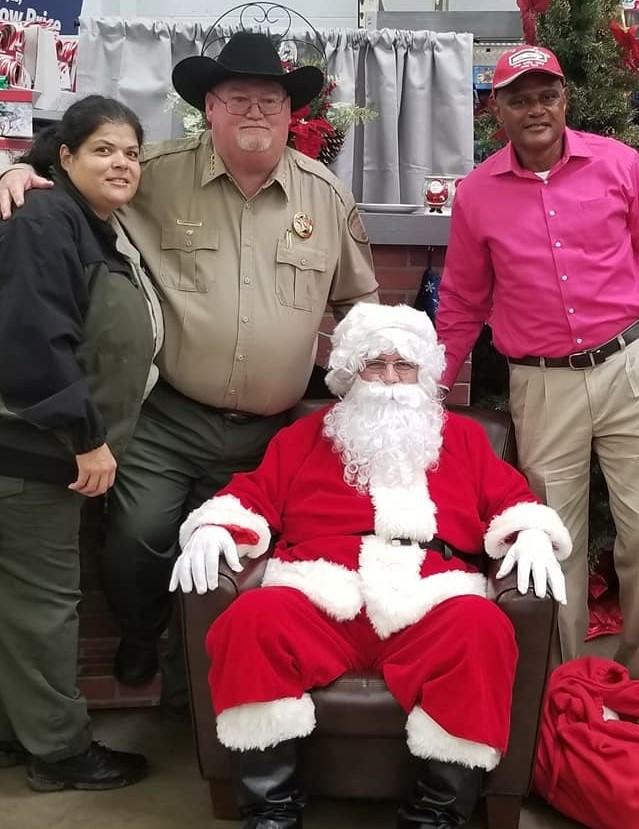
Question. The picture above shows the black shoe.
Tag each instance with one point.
(12, 753)
(174, 712)
(266, 786)
(444, 797)
(96, 768)
(136, 661)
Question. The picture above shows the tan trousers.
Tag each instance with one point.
(561, 414)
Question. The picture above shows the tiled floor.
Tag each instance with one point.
(174, 797)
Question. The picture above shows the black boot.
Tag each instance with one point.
(444, 797)
(12, 753)
(268, 794)
(97, 768)
(136, 661)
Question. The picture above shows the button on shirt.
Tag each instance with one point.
(552, 265)
(243, 293)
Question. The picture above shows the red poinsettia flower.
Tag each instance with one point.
(309, 136)
(301, 113)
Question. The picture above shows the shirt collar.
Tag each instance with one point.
(213, 167)
(506, 160)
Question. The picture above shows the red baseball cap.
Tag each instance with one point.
(516, 62)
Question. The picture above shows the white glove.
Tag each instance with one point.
(199, 562)
(532, 552)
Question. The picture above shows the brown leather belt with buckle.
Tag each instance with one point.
(583, 359)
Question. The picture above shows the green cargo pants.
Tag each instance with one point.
(39, 593)
(181, 453)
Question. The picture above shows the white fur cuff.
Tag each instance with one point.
(427, 739)
(264, 724)
(527, 516)
(223, 512)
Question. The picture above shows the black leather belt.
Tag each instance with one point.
(583, 359)
(236, 416)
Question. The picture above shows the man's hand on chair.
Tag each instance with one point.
(200, 560)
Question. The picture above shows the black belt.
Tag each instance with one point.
(236, 416)
(446, 550)
(583, 359)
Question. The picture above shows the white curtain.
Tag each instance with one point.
(420, 83)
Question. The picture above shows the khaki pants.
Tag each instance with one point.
(561, 414)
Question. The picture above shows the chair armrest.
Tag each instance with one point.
(534, 621)
(198, 614)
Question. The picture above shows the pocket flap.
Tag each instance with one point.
(183, 237)
(301, 256)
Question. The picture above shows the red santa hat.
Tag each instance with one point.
(369, 330)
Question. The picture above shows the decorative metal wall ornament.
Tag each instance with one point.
(276, 20)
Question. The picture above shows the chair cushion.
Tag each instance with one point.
(358, 705)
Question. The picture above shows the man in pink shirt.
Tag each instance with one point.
(544, 245)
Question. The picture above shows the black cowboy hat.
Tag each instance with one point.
(246, 55)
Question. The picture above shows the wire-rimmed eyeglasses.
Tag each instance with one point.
(241, 104)
(378, 367)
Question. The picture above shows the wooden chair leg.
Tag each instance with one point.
(502, 811)
(223, 800)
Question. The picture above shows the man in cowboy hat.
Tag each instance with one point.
(545, 244)
(247, 241)
(362, 497)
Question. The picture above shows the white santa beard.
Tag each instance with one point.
(387, 435)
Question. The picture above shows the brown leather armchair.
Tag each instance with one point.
(358, 749)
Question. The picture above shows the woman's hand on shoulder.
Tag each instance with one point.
(96, 472)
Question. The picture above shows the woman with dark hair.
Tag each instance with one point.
(79, 327)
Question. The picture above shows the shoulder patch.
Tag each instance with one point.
(175, 145)
(356, 227)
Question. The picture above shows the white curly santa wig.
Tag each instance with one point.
(369, 330)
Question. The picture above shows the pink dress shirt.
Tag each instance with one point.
(552, 265)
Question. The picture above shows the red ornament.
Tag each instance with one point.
(533, 6)
(627, 40)
(530, 10)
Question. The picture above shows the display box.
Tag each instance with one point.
(12, 149)
(16, 113)
(483, 76)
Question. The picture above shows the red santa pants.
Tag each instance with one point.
(457, 662)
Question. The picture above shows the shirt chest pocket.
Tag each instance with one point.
(299, 278)
(595, 215)
(188, 257)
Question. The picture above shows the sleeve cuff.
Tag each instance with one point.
(503, 529)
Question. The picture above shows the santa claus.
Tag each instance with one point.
(382, 505)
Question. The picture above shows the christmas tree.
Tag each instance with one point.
(597, 65)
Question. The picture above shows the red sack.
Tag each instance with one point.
(588, 767)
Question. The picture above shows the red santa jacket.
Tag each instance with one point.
(336, 544)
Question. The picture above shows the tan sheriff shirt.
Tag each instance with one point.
(244, 283)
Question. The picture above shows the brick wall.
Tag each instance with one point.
(399, 271)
